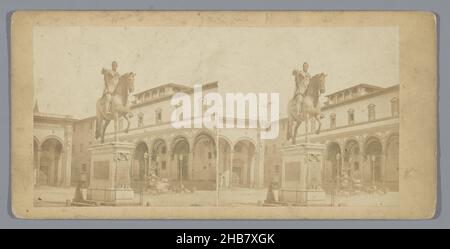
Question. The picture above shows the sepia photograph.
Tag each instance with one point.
(232, 114)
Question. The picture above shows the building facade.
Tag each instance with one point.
(83, 138)
(185, 154)
(52, 149)
(360, 128)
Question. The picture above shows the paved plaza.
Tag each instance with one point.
(237, 197)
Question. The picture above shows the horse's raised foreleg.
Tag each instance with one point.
(289, 128)
(116, 118)
(306, 128)
(105, 125)
(320, 123)
(98, 127)
(297, 124)
(125, 116)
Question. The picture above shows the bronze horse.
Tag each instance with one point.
(309, 106)
(119, 106)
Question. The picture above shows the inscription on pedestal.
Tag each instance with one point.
(101, 170)
(302, 174)
(110, 181)
(292, 171)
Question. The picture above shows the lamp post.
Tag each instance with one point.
(146, 163)
(180, 165)
(157, 166)
(372, 160)
(350, 165)
(338, 162)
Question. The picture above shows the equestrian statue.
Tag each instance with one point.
(305, 103)
(113, 104)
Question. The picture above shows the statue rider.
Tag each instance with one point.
(302, 79)
(111, 78)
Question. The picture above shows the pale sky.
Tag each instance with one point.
(68, 60)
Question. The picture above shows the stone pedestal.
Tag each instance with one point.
(301, 180)
(110, 173)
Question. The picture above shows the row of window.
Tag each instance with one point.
(155, 93)
(140, 118)
(351, 119)
(351, 115)
(371, 113)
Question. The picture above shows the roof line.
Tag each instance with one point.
(361, 84)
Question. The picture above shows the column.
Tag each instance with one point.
(230, 172)
(362, 163)
(190, 161)
(260, 168)
(251, 177)
(361, 168)
(383, 160)
(169, 165)
(68, 157)
(341, 159)
(68, 166)
(91, 169)
(245, 172)
(61, 168)
(383, 168)
(282, 173)
(38, 166)
(151, 165)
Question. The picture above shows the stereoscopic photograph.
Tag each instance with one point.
(280, 115)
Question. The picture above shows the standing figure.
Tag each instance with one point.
(302, 78)
(111, 78)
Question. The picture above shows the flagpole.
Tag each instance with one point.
(217, 165)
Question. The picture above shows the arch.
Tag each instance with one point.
(371, 138)
(225, 161)
(204, 157)
(157, 145)
(245, 138)
(391, 137)
(352, 159)
(36, 140)
(202, 135)
(60, 140)
(225, 139)
(180, 154)
(333, 148)
(177, 139)
(225, 143)
(243, 163)
(351, 146)
(392, 162)
(140, 163)
(373, 149)
(350, 139)
(159, 158)
(50, 161)
(332, 165)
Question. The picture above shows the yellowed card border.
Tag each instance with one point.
(418, 107)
